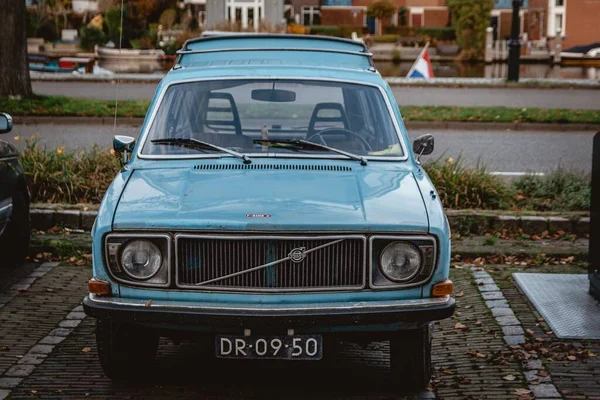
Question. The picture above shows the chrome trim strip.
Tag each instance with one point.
(262, 49)
(168, 260)
(393, 285)
(143, 136)
(269, 237)
(270, 309)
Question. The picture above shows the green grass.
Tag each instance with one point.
(64, 106)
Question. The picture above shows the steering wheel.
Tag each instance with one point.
(340, 131)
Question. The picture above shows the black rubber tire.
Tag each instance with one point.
(410, 358)
(126, 351)
(14, 242)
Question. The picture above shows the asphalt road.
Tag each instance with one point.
(488, 97)
(500, 151)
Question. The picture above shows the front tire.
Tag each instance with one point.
(410, 358)
(14, 242)
(125, 351)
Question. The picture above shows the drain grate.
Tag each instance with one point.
(564, 302)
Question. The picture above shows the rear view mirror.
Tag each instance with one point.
(423, 145)
(5, 123)
(274, 95)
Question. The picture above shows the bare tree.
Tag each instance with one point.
(14, 67)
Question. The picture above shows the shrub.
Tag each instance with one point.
(437, 33)
(385, 38)
(325, 30)
(461, 187)
(346, 31)
(90, 37)
(560, 191)
(67, 177)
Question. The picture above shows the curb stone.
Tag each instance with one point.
(26, 283)
(514, 335)
(462, 222)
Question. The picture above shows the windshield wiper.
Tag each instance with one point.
(200, 145)
(304, 144)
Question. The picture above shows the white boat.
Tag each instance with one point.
(129, 60)
(582, 54)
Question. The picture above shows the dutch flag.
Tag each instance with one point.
(422, 67)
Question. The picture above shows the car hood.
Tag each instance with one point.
(363, 199)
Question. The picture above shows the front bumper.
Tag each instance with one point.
(260, 316)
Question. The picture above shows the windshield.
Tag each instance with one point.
(250, 116)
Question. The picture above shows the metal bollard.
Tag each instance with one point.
(594, 245)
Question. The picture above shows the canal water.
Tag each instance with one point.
(480, 70)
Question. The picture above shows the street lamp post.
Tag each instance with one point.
(514, 51)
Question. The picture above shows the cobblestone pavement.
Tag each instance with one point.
(47, 350)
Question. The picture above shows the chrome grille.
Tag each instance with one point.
(330, 263)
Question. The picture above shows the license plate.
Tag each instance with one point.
(294, 347)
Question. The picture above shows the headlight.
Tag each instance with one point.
(141, 259)
(400, 261)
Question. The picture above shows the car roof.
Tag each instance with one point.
(244, 52)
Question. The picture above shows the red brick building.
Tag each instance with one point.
(580, 21)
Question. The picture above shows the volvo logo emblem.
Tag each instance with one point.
(297, 255)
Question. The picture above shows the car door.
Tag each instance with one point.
(8, 180)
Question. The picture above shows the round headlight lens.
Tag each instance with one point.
(400, 261)
(141, 259)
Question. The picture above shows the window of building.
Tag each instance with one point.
(560, 3)
(558, 22)
(311, 15)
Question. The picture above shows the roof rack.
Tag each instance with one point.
(361, 48)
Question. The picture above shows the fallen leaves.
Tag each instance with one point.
(459, 294)
(3, 348)
(86, 350)
(509, 378)
(461, 326)
(149, 303)
(476, 354)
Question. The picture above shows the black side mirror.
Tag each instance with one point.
(5, 123)
(423, 145)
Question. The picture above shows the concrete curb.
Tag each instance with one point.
(524, 83)
(434, 125)
(463, 222)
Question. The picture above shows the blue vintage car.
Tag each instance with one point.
(271, 202)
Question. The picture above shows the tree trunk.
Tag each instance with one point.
(14, 65)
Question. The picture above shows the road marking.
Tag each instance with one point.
(518, 173)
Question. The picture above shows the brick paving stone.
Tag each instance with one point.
(353, 372)
(60, 332)
(32, 359)
(579, 379)
(512, 330)
(41, 349)
(489, 288)
(76, 315)
(20, 370)
(492, 295)
(9, 383)
(70, 323)
(502, 312)
(31, 315)
(545, 390)
(496, 303)
(514, 339)
(52, 340)
(508, 320)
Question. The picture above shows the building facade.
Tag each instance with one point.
(250, 14)
(580, 21)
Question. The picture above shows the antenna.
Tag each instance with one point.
(117, 86)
